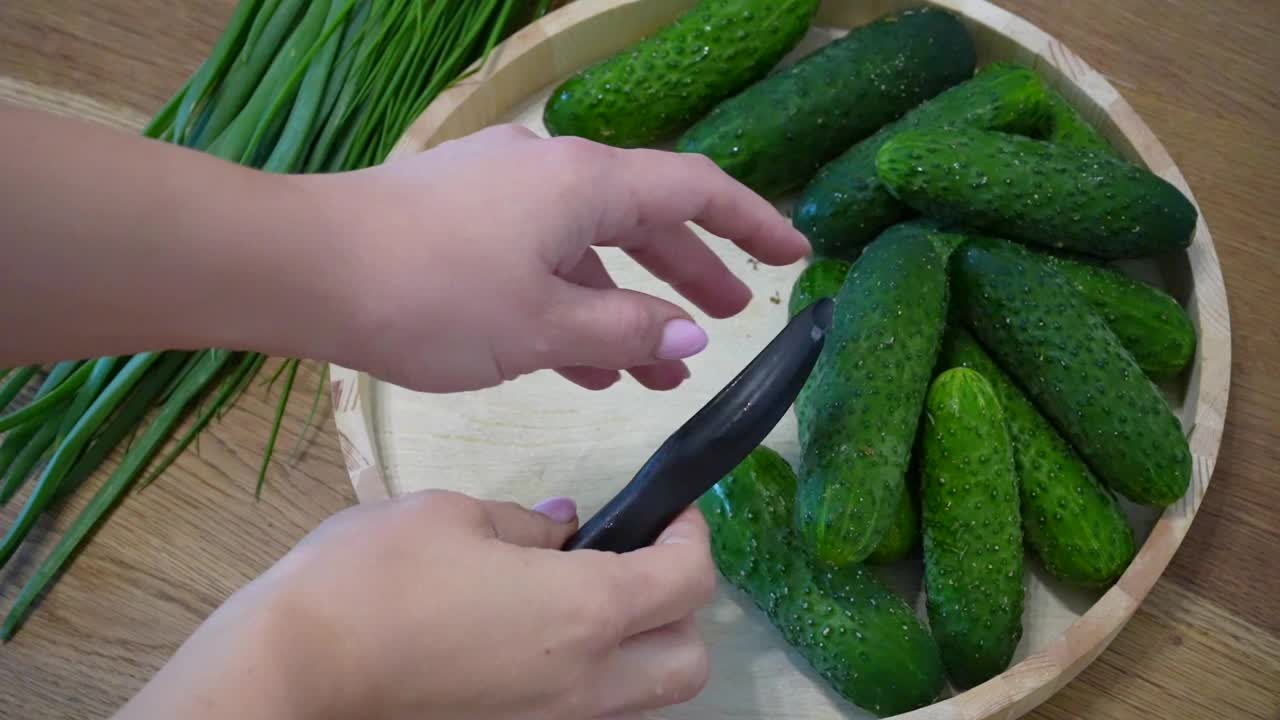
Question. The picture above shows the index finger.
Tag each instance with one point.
(667, 581)
(666, 188)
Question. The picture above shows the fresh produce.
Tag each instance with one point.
(1150, 324)
(845, 205)
(1069, 519)
(904, 528)
(822, 278)
(868, 391)
(775, 134)
(1037, 192)
(290, 86)
(971, 528)
(1064, 125)
(855, 632)
(664, 83)
(1074, 368)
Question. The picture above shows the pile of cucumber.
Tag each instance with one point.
(988, 390)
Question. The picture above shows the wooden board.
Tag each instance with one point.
(540, 437)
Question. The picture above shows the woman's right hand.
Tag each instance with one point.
(437, 605)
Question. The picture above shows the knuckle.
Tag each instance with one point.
(578, 150)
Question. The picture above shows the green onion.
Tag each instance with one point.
(11, 387)
(66, 454)
(43, 405)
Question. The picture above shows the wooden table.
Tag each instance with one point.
(1206, 644)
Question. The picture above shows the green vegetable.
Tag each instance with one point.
(868, 392)
(1064, 125)
(664, 83)
(1074, 368)
(1069, 519)
(775, 134)
(822, 278)
(1150, 324)
(1036, 192)
(904, 529)
(971, 527)
(845, 205)
(855, 632)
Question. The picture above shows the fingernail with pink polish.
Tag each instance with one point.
(559, 509)
(680, 339)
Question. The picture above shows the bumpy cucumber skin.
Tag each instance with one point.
(775, 134)
(903, 532)
(1154, 328)
(1037, 192)
(1073, 367)
(868, 391)
(1069, 519)
(845, 205)
(971, 526)
(822, 278)
(663, 84)
(1064, 125)
(855, 632)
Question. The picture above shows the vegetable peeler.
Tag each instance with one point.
(714, 441)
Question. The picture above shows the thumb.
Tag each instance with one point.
(619, 329)
(548, 525)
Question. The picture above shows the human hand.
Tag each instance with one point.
(436, 605)
(474, 262)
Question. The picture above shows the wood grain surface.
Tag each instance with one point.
(1205, 644)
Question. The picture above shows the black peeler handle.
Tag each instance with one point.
(713, 441)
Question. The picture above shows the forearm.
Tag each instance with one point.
(116, 244)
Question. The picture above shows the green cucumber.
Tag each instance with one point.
(1064, 125)
(1074, 368)
(661, 85)
(822, 278)
(868, 391)
(1037, 192)
(845, 205)
(904, 529)
(860, 636)
(1069, 519)
(971, 526)
(1151, 325)
(775, 134)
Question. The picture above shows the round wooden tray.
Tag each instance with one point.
(540, 436)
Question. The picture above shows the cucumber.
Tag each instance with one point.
(904, 529)
(1037, 192)
(972, 529)
(1074, 368)
(1064, 125)
(1151, 325)
(775, 134)
(868, 391)
(863, 639)
(1069, 519)
(661, 85)
(822, 278)
(845, 205)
